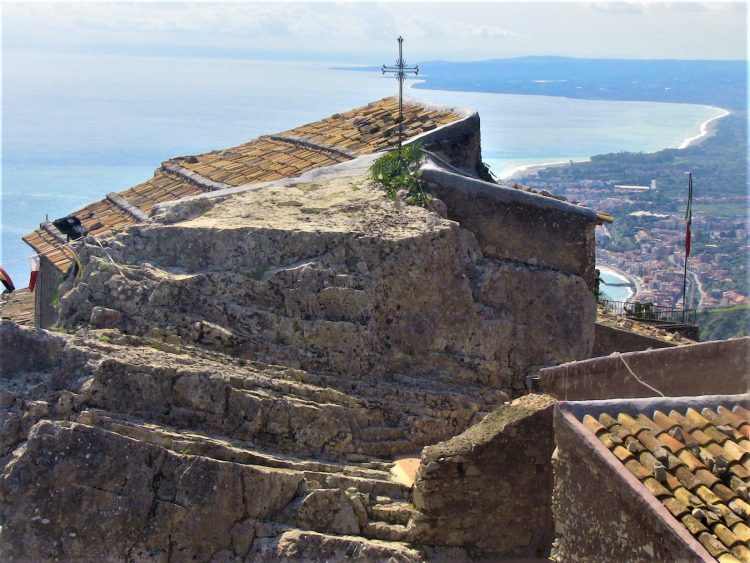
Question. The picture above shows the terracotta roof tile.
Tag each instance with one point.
(695, 463)
(637, 469)
(743, 413)
(329, 141)
(646, 422)
(712, 544)
(695, 420)
(593, 425)
(742, 531)
(734, 419)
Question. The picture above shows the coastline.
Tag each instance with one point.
(633, 281)
(533, 169)
(707, 129)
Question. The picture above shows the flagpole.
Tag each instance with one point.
(688, 216)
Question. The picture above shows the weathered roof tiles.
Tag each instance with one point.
(338, 138)
(696, 463)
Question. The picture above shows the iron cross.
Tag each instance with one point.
(400, 70)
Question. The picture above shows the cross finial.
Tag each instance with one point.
(400, 70)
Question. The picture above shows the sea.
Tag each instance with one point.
(614, 292)
(77, 126)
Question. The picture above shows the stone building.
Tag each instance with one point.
(266, 358)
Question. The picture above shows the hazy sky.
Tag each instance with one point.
(365, 32)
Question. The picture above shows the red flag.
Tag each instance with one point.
(687, 240)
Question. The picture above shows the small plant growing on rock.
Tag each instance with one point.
(400, 173)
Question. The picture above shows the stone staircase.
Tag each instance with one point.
(382, 507)
(314, 454)
(272, 456)
(285, 409)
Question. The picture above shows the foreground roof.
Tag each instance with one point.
(695, 461)
(338, 138)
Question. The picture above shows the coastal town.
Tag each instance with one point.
(646, 242)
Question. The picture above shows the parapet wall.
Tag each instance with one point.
(489, 489)
(515, 225)
(458, 143)
(608, 339)
(679, 371)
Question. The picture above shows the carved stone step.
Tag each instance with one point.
(372, 487)
(316, 546)
(220, 447)
(385, 448)
(385, 532)
(391, 513)
(380, 433)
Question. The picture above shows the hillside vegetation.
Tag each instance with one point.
(726, 322)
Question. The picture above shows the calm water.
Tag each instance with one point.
(77, 126)
(614, 293)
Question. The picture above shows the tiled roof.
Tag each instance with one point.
(696, 463)
(335, 139)
(373, 127)
(261, 160)
(162, 187)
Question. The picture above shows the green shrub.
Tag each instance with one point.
(396, 174)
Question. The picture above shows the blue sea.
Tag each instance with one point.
(77, 126)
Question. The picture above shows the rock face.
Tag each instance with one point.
(189, 455)
(332, 277)
(234, 379)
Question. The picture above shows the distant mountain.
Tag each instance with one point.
(721, 83)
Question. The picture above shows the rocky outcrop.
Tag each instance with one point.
(178, 453)
(37, 371)
(331, 277)
(488, 490)
(233, 381)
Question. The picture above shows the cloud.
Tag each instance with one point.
(303, 20)
(348, 29)
(619, 7)
(490, 31)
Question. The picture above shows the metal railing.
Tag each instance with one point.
(650, 312)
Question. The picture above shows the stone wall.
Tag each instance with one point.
(707, 368)
(608, 339)
(600, 513)
(488, 490)
(515, 225)
(459, 144)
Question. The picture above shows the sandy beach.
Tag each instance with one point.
(707, 129)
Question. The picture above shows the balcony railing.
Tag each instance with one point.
(650, 312)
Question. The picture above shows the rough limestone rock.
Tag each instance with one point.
(237, 386)
(165, 505)
(327, 510)
(335, 278)
(129, 448)
(101, 317)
